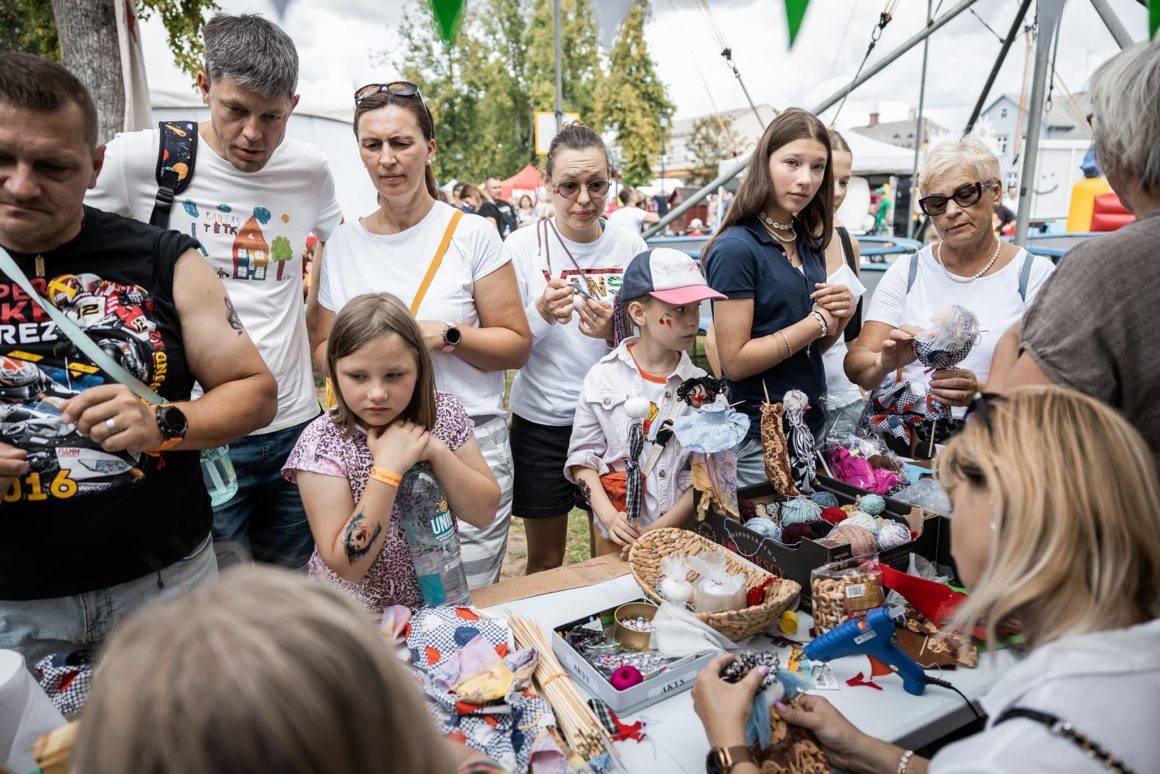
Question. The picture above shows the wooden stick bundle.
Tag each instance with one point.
(575, 718)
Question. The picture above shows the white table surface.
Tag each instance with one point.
(675, 739)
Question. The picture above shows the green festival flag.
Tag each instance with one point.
(447, 14)
(795, 11)
(1153, 17)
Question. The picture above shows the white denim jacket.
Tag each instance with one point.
(600, 430)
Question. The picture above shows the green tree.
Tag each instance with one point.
(633, 100)
(505, 114)
(281, 251)
(82, 34)
(580, 58)
(712, 141)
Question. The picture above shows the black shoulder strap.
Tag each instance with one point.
(176, 155)
(1061, 728)
(854, 326)
(847, 246)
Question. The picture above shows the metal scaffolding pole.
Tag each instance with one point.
(559, 70)
(827, 103)
(1007, 41)
(1113, 23)
(911, 224)
(1049, 13)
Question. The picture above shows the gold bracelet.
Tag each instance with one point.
(388, 477)
(788, 348)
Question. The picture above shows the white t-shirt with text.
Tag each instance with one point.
(357, 261)
(545, 390)
(252, 228)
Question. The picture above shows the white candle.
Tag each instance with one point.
(712, 596)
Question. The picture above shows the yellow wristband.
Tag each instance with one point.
(388, 477)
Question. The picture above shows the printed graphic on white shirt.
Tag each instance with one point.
(252, 251)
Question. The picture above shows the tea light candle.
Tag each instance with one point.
(710, 596)
(677, 591)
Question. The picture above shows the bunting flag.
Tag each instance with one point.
(795, 11)
(1153, 18)
(447, 13)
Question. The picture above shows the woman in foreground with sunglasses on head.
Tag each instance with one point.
(1069, 544)
(968, 266)
(449, 267)
(569, 267)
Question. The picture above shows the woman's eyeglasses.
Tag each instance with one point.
(571, 189)
(964, 196)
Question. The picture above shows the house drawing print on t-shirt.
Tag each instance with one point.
(251, 252)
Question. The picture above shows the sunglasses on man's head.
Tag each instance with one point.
(394, 88)
(964, 196)
(571, 189)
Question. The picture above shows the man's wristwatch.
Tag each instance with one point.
(721, 760)
(451, 337)
(173, 425)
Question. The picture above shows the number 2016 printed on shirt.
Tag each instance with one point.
(29, 487)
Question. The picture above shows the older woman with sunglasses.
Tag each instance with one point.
(569, 268)
(968, 266)
(1068, 545)
(450, 268)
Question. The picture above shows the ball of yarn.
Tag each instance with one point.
(863, 520)
(891, 535)
(821, 528)
(850, 508)
(825, 499)
(872, 504)
(747, 508)
(794, 533)
(764, 526)
(796, 511)
(833, 515)
(860, 540)
(625, 677)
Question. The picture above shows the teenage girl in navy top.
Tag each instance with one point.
(769, 260)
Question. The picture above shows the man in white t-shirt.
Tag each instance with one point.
(630, 214)
(253, 199)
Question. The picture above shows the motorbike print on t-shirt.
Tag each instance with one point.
(40, 369)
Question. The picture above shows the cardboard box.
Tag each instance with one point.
(678, 676)
(797, 562)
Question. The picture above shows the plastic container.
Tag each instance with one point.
(217, 470)
(845, 590)
(430, 529)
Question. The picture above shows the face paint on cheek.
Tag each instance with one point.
(666, 320)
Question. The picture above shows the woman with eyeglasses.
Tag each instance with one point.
(968, 266)
(569, 268)
(450, 268)
(1070, 546)
(769, 260)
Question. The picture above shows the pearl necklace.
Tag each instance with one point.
(773, 227)
(976, 275)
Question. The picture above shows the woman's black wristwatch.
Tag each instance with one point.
(721, 760)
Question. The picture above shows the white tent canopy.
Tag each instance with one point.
(871, 157)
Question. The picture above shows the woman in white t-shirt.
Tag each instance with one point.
(450, 268)
(569, 268)
(969, 266)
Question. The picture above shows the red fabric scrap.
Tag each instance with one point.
(857, 680)
(756, 595)
(635, 732)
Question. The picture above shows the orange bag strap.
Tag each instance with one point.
(444, 244)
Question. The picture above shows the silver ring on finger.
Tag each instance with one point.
(111, 424)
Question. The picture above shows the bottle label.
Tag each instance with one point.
(431, 587)
(442, 525)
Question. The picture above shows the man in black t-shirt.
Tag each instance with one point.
(105, 508)
(501, 213)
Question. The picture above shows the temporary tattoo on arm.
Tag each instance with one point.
(584, 490)
(232, 317)
(357, 538)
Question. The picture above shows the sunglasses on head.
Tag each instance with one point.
(571, 189)
(394, 88)
(980, 407)
(964, 196)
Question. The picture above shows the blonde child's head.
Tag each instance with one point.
(1057, 515)
(660, 297)
(261, 670)
(376, 344)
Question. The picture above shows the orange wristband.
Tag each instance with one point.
(388, 477)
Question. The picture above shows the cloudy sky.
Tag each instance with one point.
(342, 46)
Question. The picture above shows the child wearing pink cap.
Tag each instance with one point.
(660, 296)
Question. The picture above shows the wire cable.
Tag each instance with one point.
(883, 19)
(945, 684)
(984, 23)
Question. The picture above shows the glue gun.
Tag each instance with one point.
(871, 636)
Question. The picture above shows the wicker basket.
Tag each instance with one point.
(645, 560)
